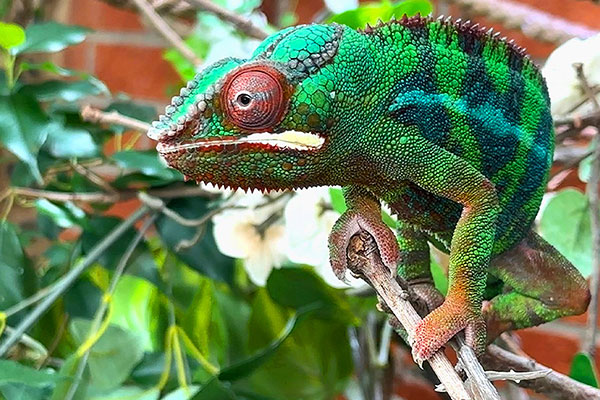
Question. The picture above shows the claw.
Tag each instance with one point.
(417, 359)
(443, 323)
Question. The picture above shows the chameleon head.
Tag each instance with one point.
(261, 123)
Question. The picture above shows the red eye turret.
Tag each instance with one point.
(255, 98)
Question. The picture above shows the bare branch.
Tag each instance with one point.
(166, 31)
(101, 197)
(242, 24)
(91, 114)
(554, 384)
(364, 261)
(529, 20)
(589, 344)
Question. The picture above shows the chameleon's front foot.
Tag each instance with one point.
(363, 215)
(443, 323)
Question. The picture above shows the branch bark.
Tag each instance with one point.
(67, 280)
(554, 384)
(166, 31)
(589, 345)
(91, 114)
(364, 261)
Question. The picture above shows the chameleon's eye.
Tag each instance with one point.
(254, 98)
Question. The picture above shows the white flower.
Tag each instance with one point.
(308, 221)
(563, 85)
(245, 233)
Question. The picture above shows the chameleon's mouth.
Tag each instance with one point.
(287, 140)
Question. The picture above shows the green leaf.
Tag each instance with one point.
(583, 370)
(128, 393)
(68, 142)
(82, 299)
(64, 215)
(182, 393)
(13, 264)
(565, 224)
(204, 256)
(113, 357)
(140, 263)
(215, 390)
(68, 91)
(23, 129)
(11, 35)
(370, 13)
(135, 309)
(300, 287)
(313, 362)
(13, 372)
(50, 37)
(585, 169)
(337, 200)
(242, 369)
(67, 372)
(440, 279)
(21, 391)
(182, 65)
(146, 162)
(205, 325)
(94, 85)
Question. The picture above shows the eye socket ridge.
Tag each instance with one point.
(255, 98)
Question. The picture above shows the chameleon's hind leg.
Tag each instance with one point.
(540, 285)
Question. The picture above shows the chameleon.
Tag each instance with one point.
(442, 120)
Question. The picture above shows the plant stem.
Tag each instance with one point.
(104, 305)
(66, 281)
(589, 344)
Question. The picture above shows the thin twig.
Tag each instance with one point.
(166, 31)
(364, 261)
(241, 23)
(93, 177)
(30, 342)
(66, 281)
(529, 20)
(554, 384)
(91, 114)
(101, 311)
(589, 344)
(101, 197)
(477, 382)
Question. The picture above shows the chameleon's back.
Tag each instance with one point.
(480, 98)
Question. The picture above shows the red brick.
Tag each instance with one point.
(551, 349)
(137, 71)
(583, 12)
(98, 15)
(76, 57)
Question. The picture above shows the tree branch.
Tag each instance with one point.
(166, 31)
(589, 345)
(91, 114)
(101, 197)
(364, 261)
(241, 23)
(554, 384)
(67, 280)
(529, 20)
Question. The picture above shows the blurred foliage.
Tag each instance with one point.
(181, 323)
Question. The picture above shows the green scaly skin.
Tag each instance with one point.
(446, 123)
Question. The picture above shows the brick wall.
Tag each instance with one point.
(126, 53)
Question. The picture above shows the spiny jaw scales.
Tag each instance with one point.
(294, 140)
